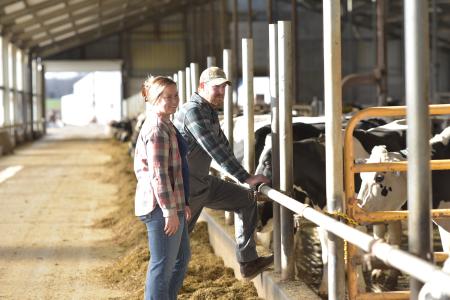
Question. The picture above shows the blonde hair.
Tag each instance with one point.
(153, 87)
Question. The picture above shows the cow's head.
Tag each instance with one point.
(382, 190)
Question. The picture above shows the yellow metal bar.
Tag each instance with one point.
(439, 164)
(353, 211)
(440, 256)
(398, 295)
(364, 217)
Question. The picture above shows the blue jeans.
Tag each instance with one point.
(169, 257)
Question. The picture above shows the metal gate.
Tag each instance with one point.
(361, 216)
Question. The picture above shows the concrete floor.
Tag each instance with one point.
(51, 193)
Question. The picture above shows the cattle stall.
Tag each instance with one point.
(365, 217)
(402, 260)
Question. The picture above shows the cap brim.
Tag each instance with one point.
(219, 81)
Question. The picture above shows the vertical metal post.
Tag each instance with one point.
(381, 52)
(228, 101)
(187, 43)
(193, 44)
(211, 61)
(228, 113)
(41, 74)
(6, 82)
(32, 127)
(250, 19)
(417, 96)
(333, 141)
(247, 79)
(182, 87)
(273, 75)
(434, 55)
(211, 28)
(294, 49)
(223, 25)
(194, 77)
(235, 51)
(269, 12)
(286, 167)
(188, 83)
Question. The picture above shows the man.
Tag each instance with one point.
(198, 122)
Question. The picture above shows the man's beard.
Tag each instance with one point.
(217, 102)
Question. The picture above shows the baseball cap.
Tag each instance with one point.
(214, 76)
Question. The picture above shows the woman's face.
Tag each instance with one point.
(167, 102)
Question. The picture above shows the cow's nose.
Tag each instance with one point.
(379, 178)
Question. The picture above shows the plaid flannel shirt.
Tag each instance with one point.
(199, 124)
(158, 168)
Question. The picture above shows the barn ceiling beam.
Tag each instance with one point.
(16, 28)
(106, 19)
(11, 17)
(117, 27)
(110, 11)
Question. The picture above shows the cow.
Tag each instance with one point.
(388, 190)
(380, 189)
(309, 170)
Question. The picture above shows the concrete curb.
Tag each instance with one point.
(268, 284)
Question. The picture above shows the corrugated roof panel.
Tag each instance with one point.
(45, 43)
(60, 28)
(19, 5)
(75, 1)
(84, 9)
(113, 19)
(56, 19)
(65, 36)
(33, 2)
(39, 35)
(86, 19)
(32, 27)
(87, 28)
(50, 9)
(23, 19)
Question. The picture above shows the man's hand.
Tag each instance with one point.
(257, 179)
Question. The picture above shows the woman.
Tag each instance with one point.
(160, 200)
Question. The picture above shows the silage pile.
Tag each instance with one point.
(207, 276)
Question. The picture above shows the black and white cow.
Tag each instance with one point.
(388, 190)
(309, 171)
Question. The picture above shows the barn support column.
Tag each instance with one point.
(381, 52)
(228, 113)
(181, 86)
(211, 61)
(41, 94)
(6, 83)
(235, 78)
(194, 77)
(286, 167)
(29, 93)
(418, 133)
(248, 105)
(333, 141)
(273, 61)
(188, 84)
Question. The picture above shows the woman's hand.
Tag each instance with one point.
(172, 224)
(187, 213)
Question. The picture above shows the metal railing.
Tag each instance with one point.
(390, 255)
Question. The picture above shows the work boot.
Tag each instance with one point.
(250, 269)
